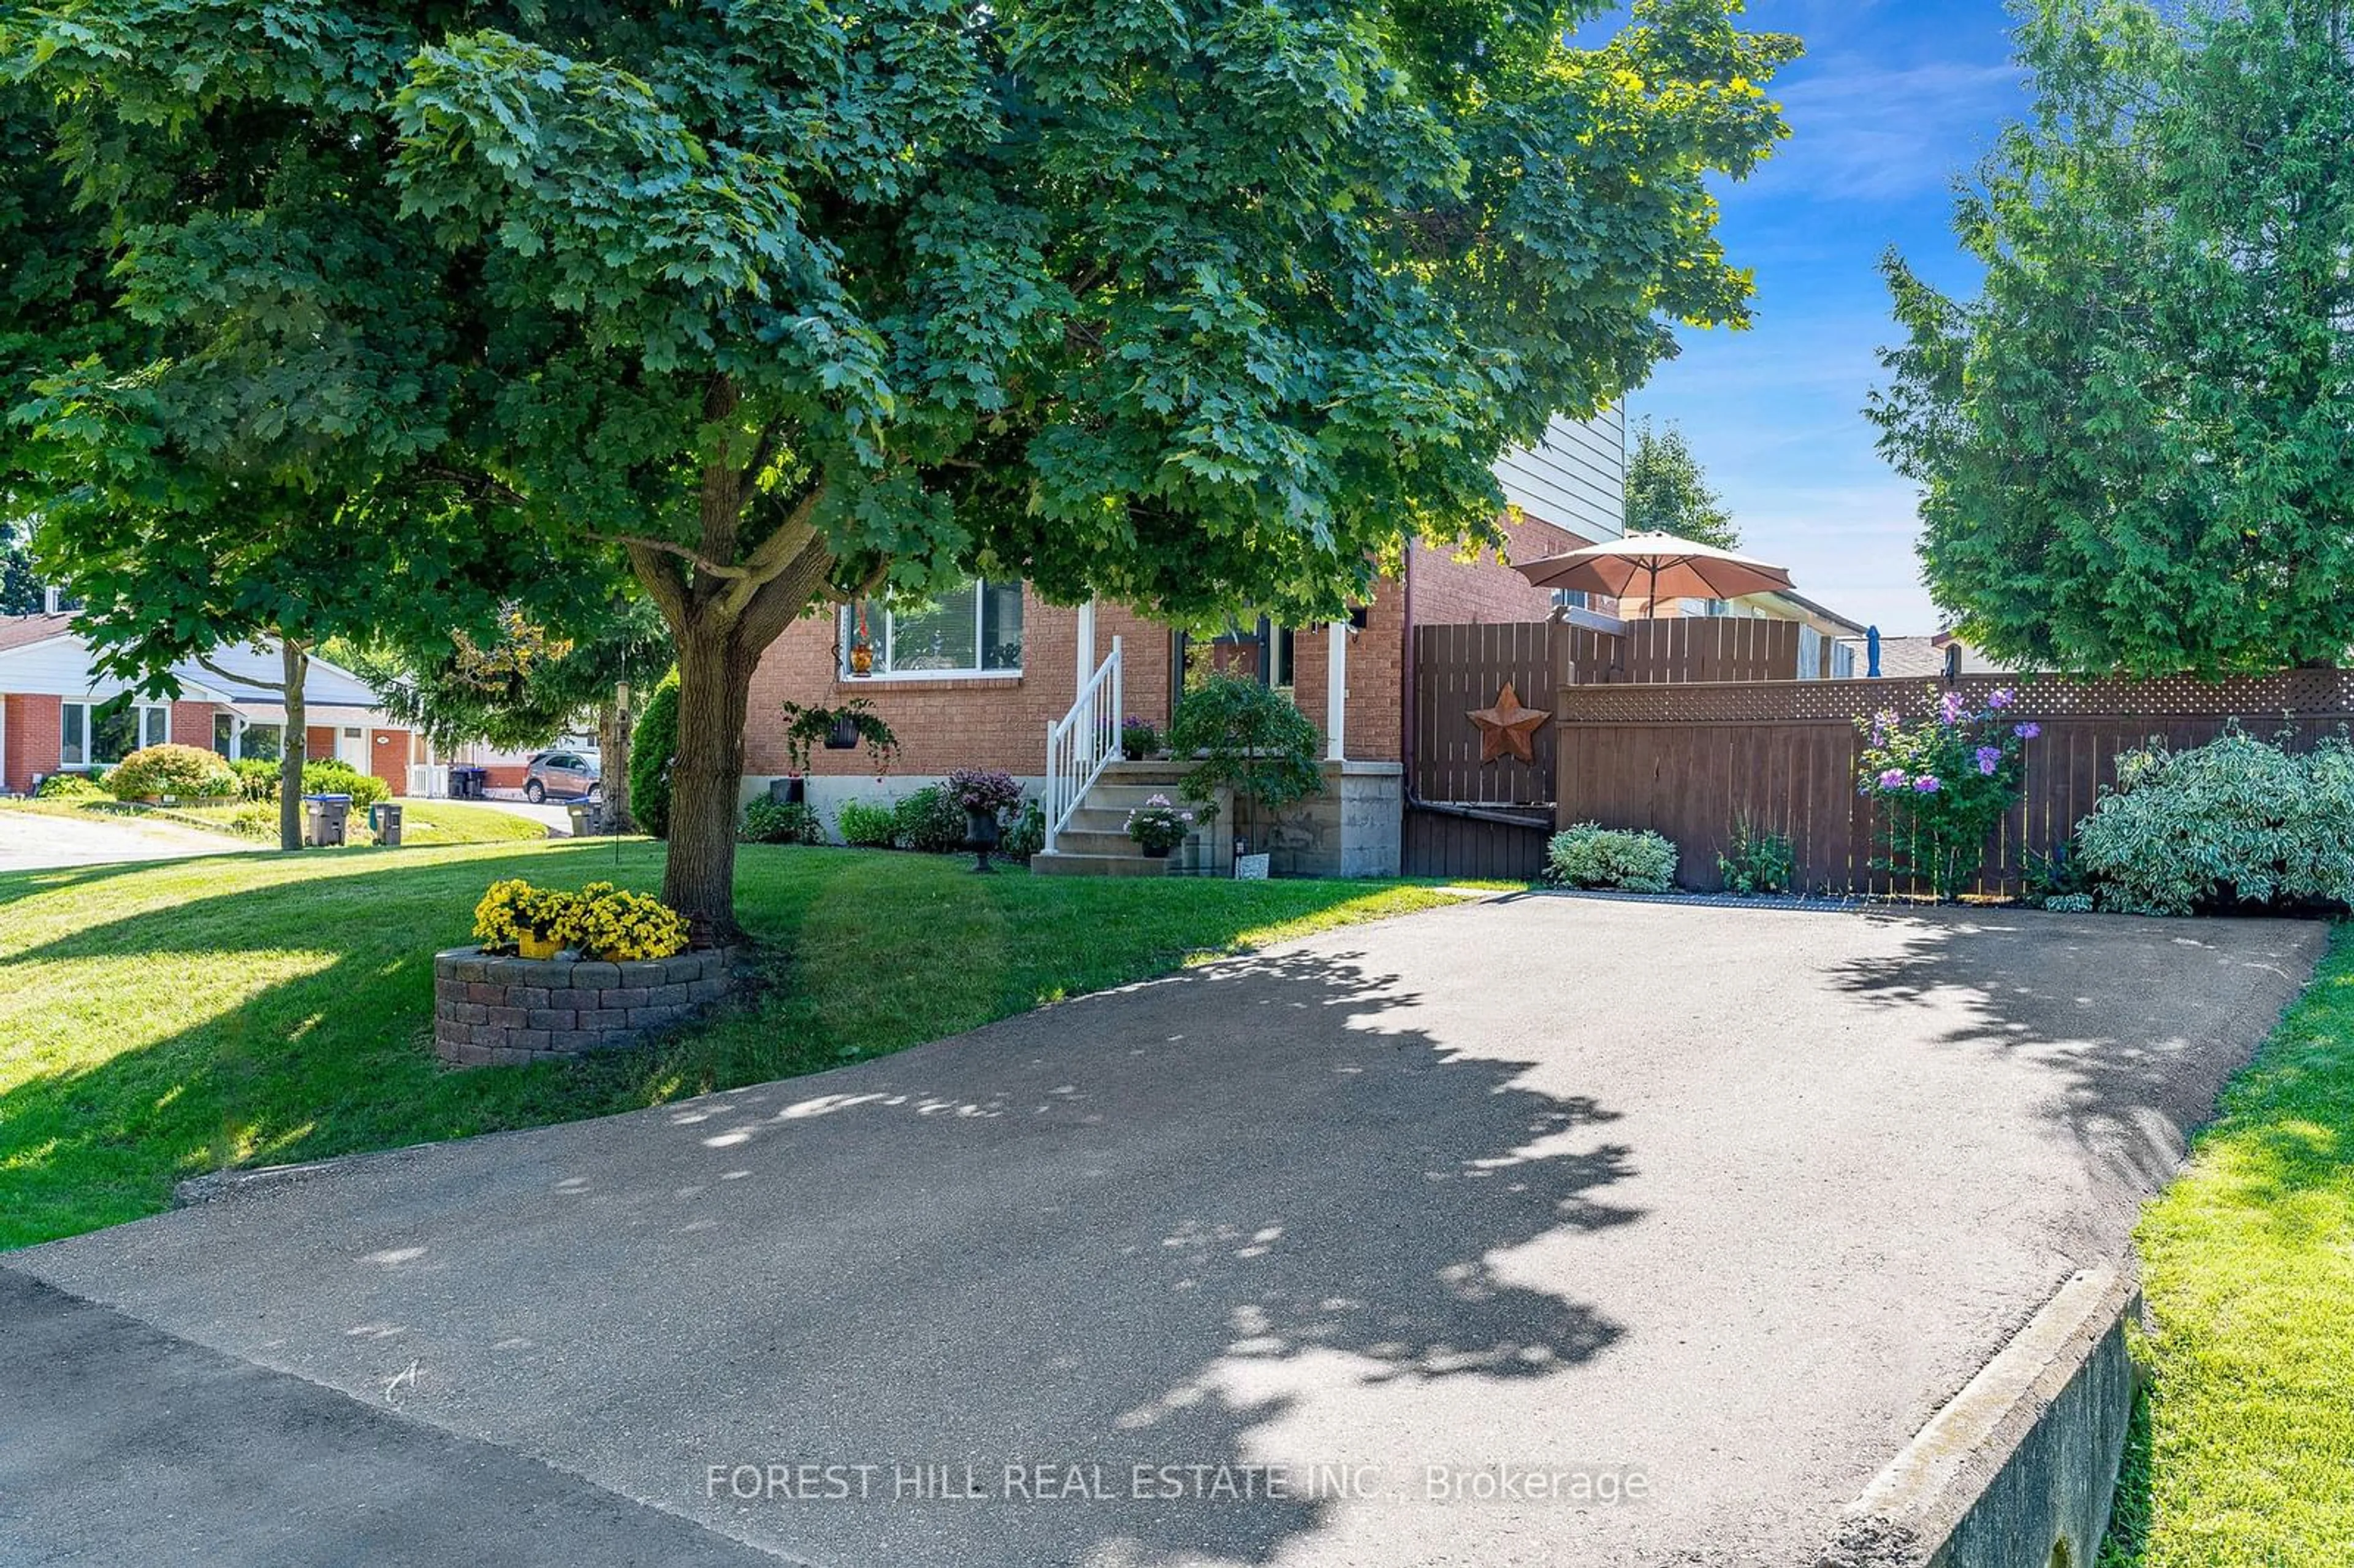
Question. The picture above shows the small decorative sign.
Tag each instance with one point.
(1507, 726)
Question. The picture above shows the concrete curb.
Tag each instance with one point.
(2019, 1469)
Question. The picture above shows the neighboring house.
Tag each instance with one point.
(1924, 658)
(59, 715)
(978, 677)
(1823, 624)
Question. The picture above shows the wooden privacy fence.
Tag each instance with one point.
(1469, 817)
(1689, 761)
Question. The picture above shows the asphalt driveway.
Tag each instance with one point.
(1683, 1219)
(32, 841)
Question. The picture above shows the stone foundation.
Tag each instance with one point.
(508, 1011)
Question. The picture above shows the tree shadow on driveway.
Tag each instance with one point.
(2136, 1021)
(1243, 1217)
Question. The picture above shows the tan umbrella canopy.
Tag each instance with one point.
(1652, 564)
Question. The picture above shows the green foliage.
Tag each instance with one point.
(257, 779)
(1757, 861)
(1667, 492)
(2235, 821)
(332, 776)
(929, 819)
(652, 750)
(1941, 784)
(529, 683)
(1251, 740)
(1028, 835)
(865, 825)
(768, 822)
(20, 584)
(2132, 440)
(1139, 738)
(807, 728)
(186, 771)
(71, 786)
(1159, 826)
(1591, 856)
(2059, 875)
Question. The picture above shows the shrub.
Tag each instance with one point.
(332, 776)
(653, 748)
(255, 820)
(1591, 856)
(257, 781)
(513, 908)
(2234, 821)
(1027, 836)
(1943, 782)
(768, 822)
(2068, 902)
(865, 825)
(986, 790)
(1758, 861)
(188, 771)
(617, 926)
(69, 787)
(929, 820)
(1251, 739)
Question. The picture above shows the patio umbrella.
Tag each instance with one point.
(1656, 564)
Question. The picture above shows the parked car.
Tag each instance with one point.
(563, 776)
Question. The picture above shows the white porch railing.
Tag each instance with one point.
(1081, 745)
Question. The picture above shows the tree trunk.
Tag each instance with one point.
(613, 750)
(295, 665)
(715, 688)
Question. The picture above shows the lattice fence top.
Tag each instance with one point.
(2252, 699)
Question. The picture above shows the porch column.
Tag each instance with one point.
(1086, 640)
(1336, 688)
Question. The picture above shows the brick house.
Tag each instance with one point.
(977, 678)
(58, 714)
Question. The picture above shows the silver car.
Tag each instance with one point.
(563, 776)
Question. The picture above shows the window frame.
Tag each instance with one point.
(152, 715)
(880, 626)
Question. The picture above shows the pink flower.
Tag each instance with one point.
(1893, 778)
(2027, 731)
(1989, 759)
(1928, 784)
(1950, 708)
(2000, 698)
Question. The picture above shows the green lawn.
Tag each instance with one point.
(424, 823)
(2243, 1455)
(158, 1021)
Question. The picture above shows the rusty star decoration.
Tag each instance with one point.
(1507, 726)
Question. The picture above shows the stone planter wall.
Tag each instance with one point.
(507, 1011)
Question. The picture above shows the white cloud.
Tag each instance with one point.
(1859, 132)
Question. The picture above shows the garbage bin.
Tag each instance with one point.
(466, 783)
(384, 821)
(588, 819)
(326, 820)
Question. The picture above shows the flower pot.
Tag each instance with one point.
(531, 947)
(1250, 868)
(1135, 754)
(1155, 851)
(843, 733)
(981, 829)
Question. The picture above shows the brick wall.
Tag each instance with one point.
(192, 725)
(1451, 592)
(318, 741)
(993, 721)
(389, 758)
(33, 737)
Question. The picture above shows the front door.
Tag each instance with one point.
(351, 746)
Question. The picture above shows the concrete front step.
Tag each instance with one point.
(1062, 864)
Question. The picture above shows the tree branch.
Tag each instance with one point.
(206, 660)
(664, 584)
(634, 542)
(481, 485)
(791, 540)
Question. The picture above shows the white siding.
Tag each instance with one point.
(60, 667)
(1575, 478)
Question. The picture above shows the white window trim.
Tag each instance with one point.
(89, 707)
(881, 639)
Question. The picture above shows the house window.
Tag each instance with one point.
(100, 735)
(1282, 651)
(974, 630)
(260, 742)
(225, 736)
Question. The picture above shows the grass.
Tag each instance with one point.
(162, 1021)
(423, 822)
(2243, 1455)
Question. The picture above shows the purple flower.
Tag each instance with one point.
(2000, 697)
(2027, 731)
(1928, 784)
(1989, 759)
(1950, 708)
(1893, 778)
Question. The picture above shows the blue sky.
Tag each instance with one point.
(1892, 99)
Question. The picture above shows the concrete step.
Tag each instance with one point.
(1066, 864)
(1087, 837)
(1110, 793)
